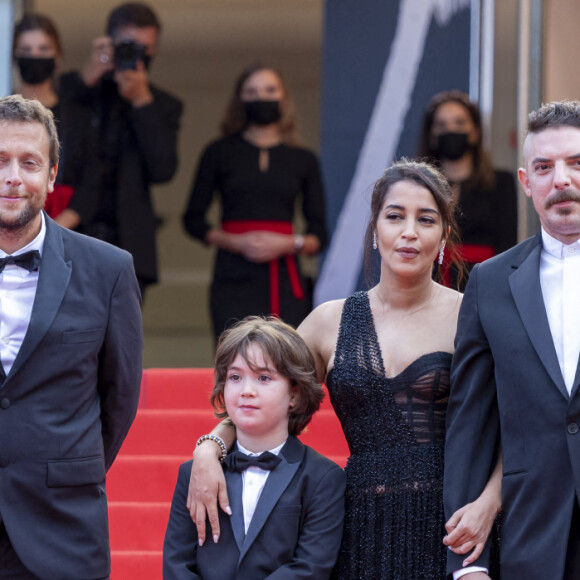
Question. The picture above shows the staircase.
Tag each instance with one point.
(174, 410)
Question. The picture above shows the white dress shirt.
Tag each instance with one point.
(253, 482)
(560, 282)
(17, 292)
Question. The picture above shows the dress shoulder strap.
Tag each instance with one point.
(357, 344)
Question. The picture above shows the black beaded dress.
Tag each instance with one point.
(395, 429)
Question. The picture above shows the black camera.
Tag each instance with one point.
(127, 54)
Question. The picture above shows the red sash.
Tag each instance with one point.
(244, 226)
(58, 200)
(470, 253)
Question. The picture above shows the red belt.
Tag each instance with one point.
(470, 253)
(244, 226)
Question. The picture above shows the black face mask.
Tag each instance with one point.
(452, 146)
(262, 112)
(34, 71)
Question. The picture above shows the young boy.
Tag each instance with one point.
(287, 511)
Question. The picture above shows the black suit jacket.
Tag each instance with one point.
(67, 404)
(507, 389)
(146, 140)
(295, 531)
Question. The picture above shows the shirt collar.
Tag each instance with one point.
(36, 244)
(555, 247)
(275, 451)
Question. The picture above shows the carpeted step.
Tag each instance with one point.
(144, 477)
(167, 432)
(176, 389)
(138, 526)
(136, 565)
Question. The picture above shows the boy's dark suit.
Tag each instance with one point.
(295, 531)
(508, 390)
(67, 404)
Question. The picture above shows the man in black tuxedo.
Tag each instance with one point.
(516, 373)
(70, 347)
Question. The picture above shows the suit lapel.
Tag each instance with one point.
(53, 280)
(576, 383)
(527, 293)
(234, 485)
(292, 455)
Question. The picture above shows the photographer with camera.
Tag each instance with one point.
(133, 129)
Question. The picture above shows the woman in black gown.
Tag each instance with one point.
(486, 199)
(258, 172)
(385, 355)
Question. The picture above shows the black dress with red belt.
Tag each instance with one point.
(255, 199)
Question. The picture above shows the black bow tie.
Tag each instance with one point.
(238, 461)
(29, 261)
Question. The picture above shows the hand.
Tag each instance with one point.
(469, 527)
(133, 85)
(68, 218)
(207, 482)
(262, 247)
(100, 61)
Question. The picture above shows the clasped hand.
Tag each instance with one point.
(468, 529)
(262, 247)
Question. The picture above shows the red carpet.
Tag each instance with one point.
(174, 411)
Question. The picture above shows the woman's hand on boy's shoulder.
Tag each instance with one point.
(207, 487)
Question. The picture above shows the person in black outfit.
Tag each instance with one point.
(37, 51)
(259, 172)
(134, 128)
(486, 198)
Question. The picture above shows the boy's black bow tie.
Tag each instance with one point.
(238, 461)
(29, 261)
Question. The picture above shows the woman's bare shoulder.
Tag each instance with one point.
(449, 299)
(320, 331)
(322, 318)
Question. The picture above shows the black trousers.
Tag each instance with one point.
(572, 569)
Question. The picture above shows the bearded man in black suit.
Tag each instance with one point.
(70, 348)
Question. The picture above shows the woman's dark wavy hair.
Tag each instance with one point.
(235, 121)
(33, 21)
(431, 178)
(483, 176)
(287, 352)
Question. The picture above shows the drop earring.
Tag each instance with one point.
(441, 253)
(375, 246)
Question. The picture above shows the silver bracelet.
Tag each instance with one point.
(215, 439)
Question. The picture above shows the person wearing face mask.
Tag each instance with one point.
(486, 199)
(37, 52)
(133, 127)
(259, 172)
